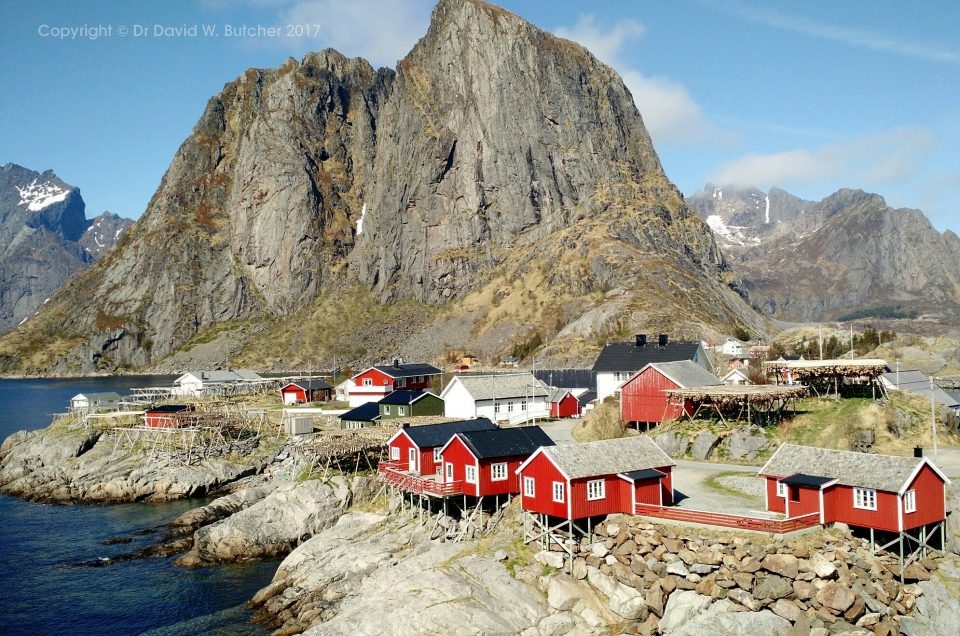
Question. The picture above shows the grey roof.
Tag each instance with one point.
(627, 356)
(608, 457)
(108, 396)
(557, 394)
(913, 381)
(315, 384)
(849, 468)
(227, 376)
(502, 385)
(686, 373)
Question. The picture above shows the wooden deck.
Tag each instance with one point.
(393, 474)
(739, 522)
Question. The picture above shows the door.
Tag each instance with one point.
(449, 478)
(412, 460)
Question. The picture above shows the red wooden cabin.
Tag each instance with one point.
(375, 383)
(563, 403)
(415, 454)
(303, 391)
(643, 397)
(166, 415)
(486, 461)
(574, 481)
(882, 492)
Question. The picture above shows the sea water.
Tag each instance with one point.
(56, 567)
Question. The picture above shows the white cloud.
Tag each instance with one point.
(867, 162)
(670, 114)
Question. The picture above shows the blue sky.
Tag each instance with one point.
(810, 97)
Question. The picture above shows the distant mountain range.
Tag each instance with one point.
(847, 256)
(45, 238)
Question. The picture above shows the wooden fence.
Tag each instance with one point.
(775, 526)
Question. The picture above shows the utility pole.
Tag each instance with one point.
(933, 421)
(821, 342)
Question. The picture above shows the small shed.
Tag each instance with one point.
(166, 415)
(303, 391)
(563, 403)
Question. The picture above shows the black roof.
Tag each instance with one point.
(170, 408)
(367, 412)
(568, 378)
(407, 370)
(627, 356)
(800, 479)
(402, 397)
(439, 434)
(314, 384)
(646, 473)
(586, 398)
(506, 442)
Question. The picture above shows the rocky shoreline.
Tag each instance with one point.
(355, 564)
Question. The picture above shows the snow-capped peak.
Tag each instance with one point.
(731, 233)
(37, 196)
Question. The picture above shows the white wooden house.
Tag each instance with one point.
(512, 397)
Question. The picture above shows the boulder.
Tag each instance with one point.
(746, 443)
(563, 593)
(626, 602)
(672, 443)
(772, 586)
(835, 597)
(681, 607)
(723, 618)
(704, 445)
(783, 564)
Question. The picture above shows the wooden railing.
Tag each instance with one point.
(392, 473)
(740, 522)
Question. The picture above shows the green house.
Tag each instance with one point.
(410, 404)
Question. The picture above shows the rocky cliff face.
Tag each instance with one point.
(45, 238)
(492, 142)
(850, 254)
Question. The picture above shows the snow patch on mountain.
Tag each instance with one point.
(38, 196)
(731, 233)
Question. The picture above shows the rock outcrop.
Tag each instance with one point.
(64, 465)
(494, 158)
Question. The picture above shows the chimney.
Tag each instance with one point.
(396, 363)
(641, 339)
(663, 340)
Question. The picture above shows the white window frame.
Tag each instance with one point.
(498, 472)
(436, 455)
(470, 474)
(497, 406)
(596, 489)
(386, 409)
(910, 501)
(865, 498)
(400, 383)
(558, 492)
(368, 382)
(529, 487)
(394, 453)
(781, 489)
(509, 407)
(401, 410)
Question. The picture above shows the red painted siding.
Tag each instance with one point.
(801, 501)
(378, 379)
(611, 503)
(456, 453)
(161, 420)
(642, 398)
(774, 503)
(404, 443)
(929, 490)
(297, 391)
(883, 518)
(666, 485)
(544, 474)
(648, 492)
(566, 407)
